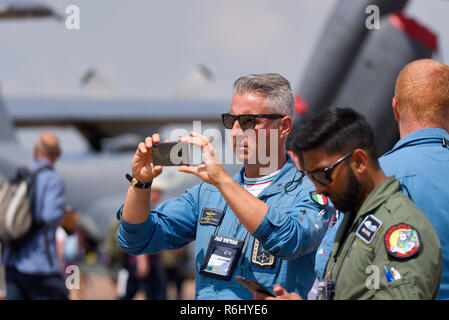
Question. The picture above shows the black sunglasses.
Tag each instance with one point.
(324, 176)
(246, 121)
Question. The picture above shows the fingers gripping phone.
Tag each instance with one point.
(170, 154)
(253, 286)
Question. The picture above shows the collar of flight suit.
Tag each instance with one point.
(378, 196)
(420, 136)
(374, 200)
(278, 184)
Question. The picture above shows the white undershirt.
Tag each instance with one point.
(256, 185)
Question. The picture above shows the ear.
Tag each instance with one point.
(285, 126)
(395, 108)
(296, 160)
(359, 161)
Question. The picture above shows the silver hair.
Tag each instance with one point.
(274, 87)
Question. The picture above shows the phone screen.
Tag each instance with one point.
(170, 154)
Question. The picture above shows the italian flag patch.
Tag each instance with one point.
(318, 198)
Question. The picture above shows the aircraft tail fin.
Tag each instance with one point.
(6, 125)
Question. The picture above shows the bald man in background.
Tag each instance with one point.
(420, 159)
(32, 269)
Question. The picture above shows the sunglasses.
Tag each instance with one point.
(324, 176)
(246, 121)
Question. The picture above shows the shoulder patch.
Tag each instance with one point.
(211, 216)
(318, 198)
(368, 229)
(260, 256)
(402, 241)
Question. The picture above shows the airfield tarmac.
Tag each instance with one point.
(100, 286)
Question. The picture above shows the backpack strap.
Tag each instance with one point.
(16, 245)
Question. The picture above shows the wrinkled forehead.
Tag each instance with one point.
(249, 103)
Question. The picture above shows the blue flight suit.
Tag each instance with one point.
(420, 161)
(291, 231)
(324, 251)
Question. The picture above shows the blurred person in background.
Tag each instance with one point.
(142, 272)
(33, 270)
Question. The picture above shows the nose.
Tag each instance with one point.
(236, 129)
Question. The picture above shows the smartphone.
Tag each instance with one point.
(253, 286)
(170, 154)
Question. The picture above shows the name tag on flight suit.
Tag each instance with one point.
(211, 216)
(368, 229)
(221, 257)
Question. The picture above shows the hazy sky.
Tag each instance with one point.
(146, 48)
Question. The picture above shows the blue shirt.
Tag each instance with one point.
(324, 251)
(291, 231)
(420, 162)
(49, 208)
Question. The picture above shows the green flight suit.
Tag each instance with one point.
(388, 231)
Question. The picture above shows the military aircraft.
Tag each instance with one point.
(351, 66)
(26, 10)
(95, 180)
(355, 66)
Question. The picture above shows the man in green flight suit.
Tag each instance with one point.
(385, 248)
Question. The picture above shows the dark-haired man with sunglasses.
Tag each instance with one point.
(385, 247)
(264, 223)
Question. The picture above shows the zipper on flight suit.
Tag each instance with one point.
(345, 261)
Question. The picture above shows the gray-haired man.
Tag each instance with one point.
(249, 225)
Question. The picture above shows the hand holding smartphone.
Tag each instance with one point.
(170, 154)
(253, 286)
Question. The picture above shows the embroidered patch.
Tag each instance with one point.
(211, 216)
(261, 256)
(402, 241)
(318, 198)
(368, 229)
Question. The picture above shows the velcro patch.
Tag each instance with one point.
(211, 216)
(402, 241)
(318, 198)
(368, 229)
(260, 256)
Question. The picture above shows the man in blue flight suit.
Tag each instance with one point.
(420, 159)
(265, 223)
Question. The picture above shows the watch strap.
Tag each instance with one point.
(136, 183)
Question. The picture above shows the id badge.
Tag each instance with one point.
(221, 257)
(326, 290)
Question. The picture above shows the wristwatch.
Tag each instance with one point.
(136, 183)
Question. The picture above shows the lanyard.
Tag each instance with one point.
(237, 228)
